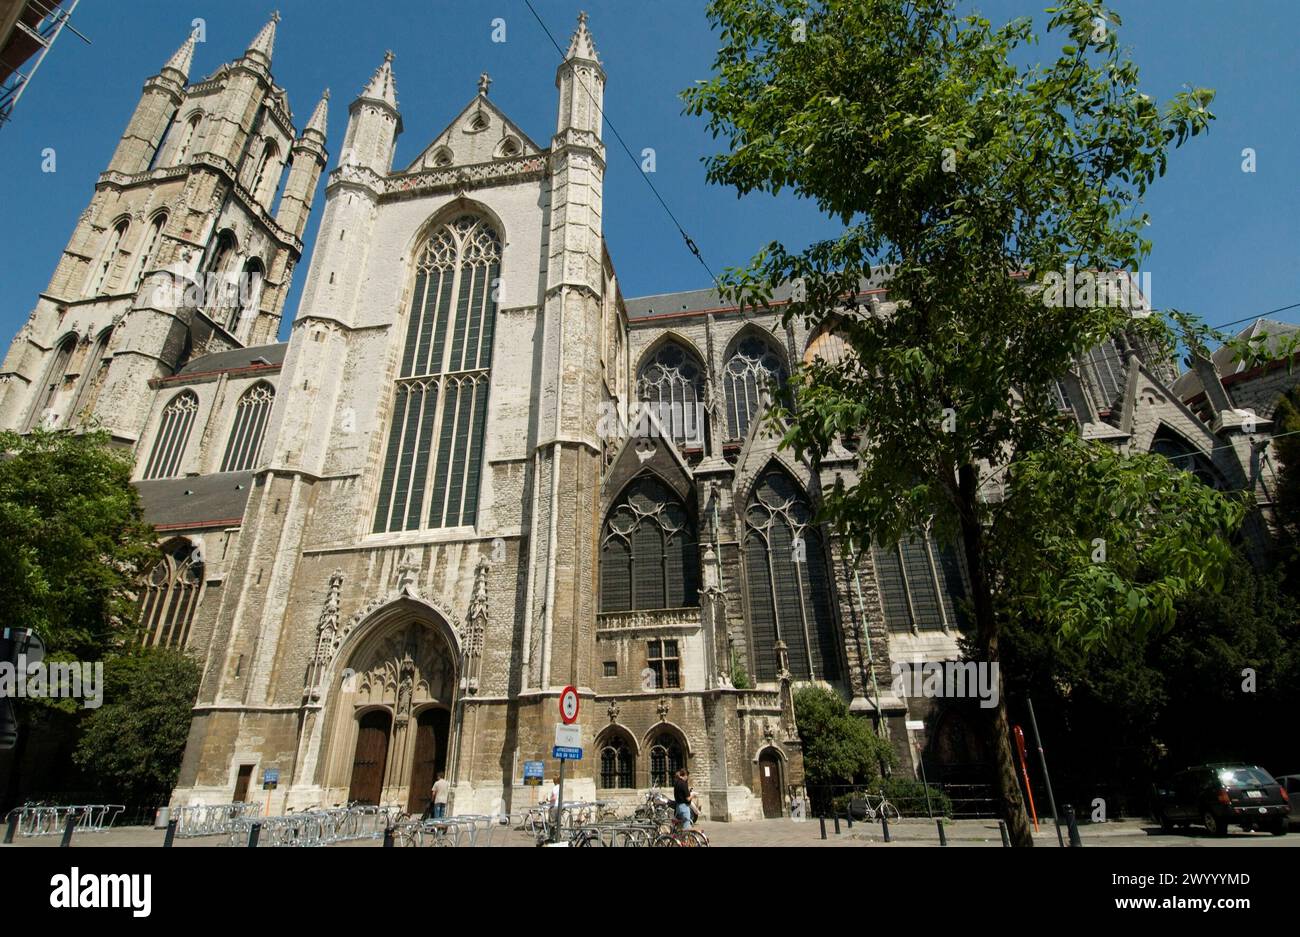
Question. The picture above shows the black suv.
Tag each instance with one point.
(1221, 795)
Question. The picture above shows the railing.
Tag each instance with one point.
(212, 819)
(52, 820)
(314, 827)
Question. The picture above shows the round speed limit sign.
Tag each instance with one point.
(569, 705)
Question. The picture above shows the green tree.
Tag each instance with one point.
(72, 541)
(838, 748)
(131, 746)
(1115, 719)
(1286, 507)
(980, 185)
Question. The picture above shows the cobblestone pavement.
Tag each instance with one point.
(786, 832)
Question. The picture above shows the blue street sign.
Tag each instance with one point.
(534, 772)
(271, 776)
(566, 754)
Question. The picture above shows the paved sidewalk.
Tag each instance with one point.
(784, 832)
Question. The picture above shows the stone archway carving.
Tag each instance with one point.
(403, 659)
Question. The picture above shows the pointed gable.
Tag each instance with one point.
(480, 133)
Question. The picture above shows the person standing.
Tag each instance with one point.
(682, 797)
(440, 789)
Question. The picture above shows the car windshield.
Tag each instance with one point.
(1243, 777)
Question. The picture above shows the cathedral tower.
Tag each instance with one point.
(180, 251)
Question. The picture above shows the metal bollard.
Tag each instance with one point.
(254, 832)
(822, 820)
(388, 837)
(1075, 838)
(837, 822)
(171, 833)
(11, 828)
(884, 826)
(848, 815)
(68, 827)
(1002, 828)
(943, 837)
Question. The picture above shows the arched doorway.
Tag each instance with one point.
(769, 777)
(430, 756)
(393, 689)
(371, 757)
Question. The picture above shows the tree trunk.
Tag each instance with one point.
(998, 732)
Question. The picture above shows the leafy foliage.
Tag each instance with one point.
(132, 745)
(1098, 545)
(837, 748)
(72, 540)
(972, 180)
(1115, 719)
(1286, 419)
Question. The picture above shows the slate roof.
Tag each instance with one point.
(698, 301)
(238, 358)
(195, 501)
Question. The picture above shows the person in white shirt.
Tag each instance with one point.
(440, 789)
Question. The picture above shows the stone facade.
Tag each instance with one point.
(356, 650)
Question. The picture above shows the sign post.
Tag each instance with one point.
(270, 780)
(568, 747)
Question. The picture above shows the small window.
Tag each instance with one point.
(611, 668)
(662, 658)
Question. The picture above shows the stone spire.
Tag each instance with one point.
(264, 42)
(320, 115)
(382, 86)
(581, 46)
(181, 59)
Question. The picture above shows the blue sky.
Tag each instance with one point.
(1226, 242)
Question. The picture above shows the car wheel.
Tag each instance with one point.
(1213, 825)
(1166, 824)
(1279, 828)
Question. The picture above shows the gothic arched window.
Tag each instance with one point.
(220, 291)
(1109, 372)
(148, 249)
(169, 595)
(922, 584)
(648, 555)
(753, 366)
(671, 387)
(251, 414)
(435, 445)
(173, 434)
(109, 258)
(1188, 458)
(186, 140)
(92, 376)
(270, 154)
(54, 375)
(617, 761)
(666, 757)
(250, 294)
(789, 586)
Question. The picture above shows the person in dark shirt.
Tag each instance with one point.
(682, 797)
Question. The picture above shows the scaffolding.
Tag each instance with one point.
(34, 29)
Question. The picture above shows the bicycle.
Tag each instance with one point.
(881, 806)
(678, 836)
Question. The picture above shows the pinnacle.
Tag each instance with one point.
(382, 86)
(320, 115)
(264, 42)
(582, 46)
(182, 58)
